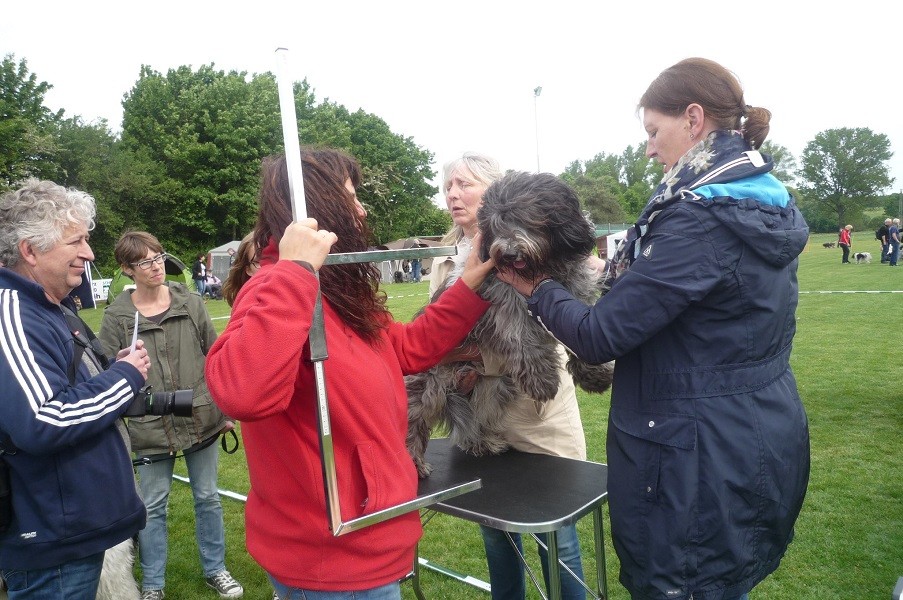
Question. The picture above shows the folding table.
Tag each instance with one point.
(521, 493)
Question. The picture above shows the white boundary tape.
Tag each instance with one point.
(854, 292)
(805, 293)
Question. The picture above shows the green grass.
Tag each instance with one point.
(849, 538)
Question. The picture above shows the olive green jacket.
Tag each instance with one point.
(177, 348)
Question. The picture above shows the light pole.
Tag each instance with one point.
(536, 92)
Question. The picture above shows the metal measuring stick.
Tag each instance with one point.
(317, 334)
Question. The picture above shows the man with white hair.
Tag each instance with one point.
(59, 442)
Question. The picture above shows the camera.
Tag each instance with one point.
(149, 402)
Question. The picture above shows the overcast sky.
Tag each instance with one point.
(459, 76)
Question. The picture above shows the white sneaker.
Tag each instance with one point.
(225, 585)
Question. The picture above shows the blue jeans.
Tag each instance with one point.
(415, 271)
(155, 481)
(894, 253)
(201, 285)
(73, 580)
(391, 591)
(506, 571)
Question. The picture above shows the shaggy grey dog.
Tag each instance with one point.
(116, 579)
(532, 223)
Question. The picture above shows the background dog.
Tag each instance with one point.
(863, 257)
(829, 244)
(532, 223)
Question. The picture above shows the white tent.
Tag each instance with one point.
(220, 258)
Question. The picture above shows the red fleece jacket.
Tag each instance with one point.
(259, 371)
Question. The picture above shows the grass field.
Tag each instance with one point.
(848, 361)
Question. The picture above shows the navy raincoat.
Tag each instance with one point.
(708, 444)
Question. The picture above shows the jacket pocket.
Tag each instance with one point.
(649, 449)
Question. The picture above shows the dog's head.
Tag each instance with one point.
(530, 221)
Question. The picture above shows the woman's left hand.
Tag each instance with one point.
(475, 269)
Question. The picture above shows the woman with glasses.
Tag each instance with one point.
(177, 332)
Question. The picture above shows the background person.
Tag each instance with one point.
(883, 236)
(199, 274)
(708, 443)
(552, 427)
(844, 240)
(260, 371)
(59, 415)
(178, 333)
(245, 263)
(893, 239)
(416, 265)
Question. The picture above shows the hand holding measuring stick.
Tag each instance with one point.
(136, 355)
(134, 334)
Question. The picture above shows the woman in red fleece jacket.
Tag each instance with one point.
(259, 371)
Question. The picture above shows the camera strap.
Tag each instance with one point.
(84, 339)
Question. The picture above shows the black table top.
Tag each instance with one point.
(521, 492)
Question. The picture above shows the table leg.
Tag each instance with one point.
(415, 580)
(554, 567)
(601, 577)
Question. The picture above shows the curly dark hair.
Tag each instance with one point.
(352, 289)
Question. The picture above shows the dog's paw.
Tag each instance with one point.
(423, 468)
(539, 389)
(484, 446)
(592, 378)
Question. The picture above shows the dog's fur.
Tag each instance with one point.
(534, 224)
(863, 257)
(829, 244)
(116, 579)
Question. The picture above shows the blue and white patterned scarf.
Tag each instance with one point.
(720, 157)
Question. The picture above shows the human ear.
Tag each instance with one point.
(27, 252)
(695, 116)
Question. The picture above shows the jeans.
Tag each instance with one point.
(155, 481)
(201, 285)
(894, 253)
(506, 571)
(415, 271)
(391, 591)
(73, 580)
(884, 249)
(846, 253)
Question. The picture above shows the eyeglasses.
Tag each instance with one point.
(144, 265)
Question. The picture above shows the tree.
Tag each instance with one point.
(844, 170)
(640, 175)
(784, 162)
(613, 187)
(208, 131)
(27, 128)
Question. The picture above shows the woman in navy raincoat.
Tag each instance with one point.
(708, 443)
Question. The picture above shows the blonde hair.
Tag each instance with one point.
(474, 167)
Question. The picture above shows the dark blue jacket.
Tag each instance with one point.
(708, 444)
(73, 487)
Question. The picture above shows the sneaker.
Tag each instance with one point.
(225, 585)
(152, 595)
(275, 595)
